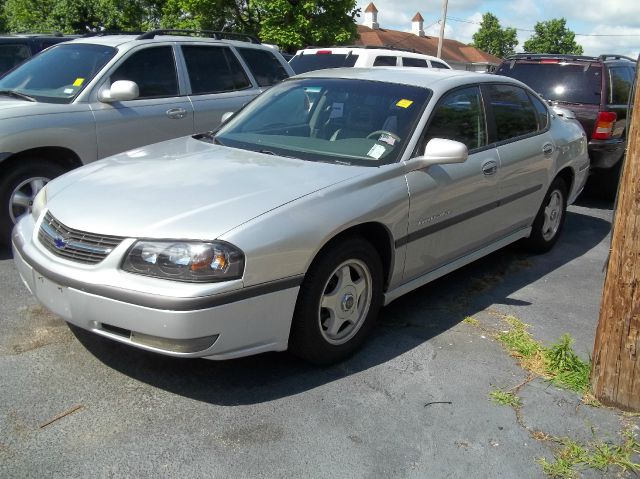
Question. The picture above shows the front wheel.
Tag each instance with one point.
(549, 221)
(18, 187)
(338, 302)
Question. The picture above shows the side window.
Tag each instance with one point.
(459, 116)
(414, 62)
(543, 113)
(512, 110)
(385, 61)
(620, 81)
(154, 71)
(213, 69)
(264, 65)
(438, 65)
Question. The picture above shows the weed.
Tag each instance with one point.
(471, 320)
(565, 367)
(504, 398)
(559, 363)
(573, 457)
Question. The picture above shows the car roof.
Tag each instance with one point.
(433, 78)
(606, 58)
(370, 50)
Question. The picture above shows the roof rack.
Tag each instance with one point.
(608, 56)
(243, 37)
(537, 56)
(106, 33)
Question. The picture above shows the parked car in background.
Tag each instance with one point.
(597, 90)
(93, 97)
(311, 59)
(294, 223)
(14, 49)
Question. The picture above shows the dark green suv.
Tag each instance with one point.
(14, 49)
(597, 90)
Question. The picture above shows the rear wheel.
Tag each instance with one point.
(549, 221)
(338, 302)
(18, 187)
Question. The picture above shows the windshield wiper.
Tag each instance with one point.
(17, 94)
(269, 152)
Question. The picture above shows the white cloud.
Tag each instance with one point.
(611, 12)
(625, 45)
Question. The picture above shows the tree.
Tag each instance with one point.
(492, 38)
(3, 20)
(293, 24)
(553, 36)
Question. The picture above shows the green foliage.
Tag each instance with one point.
(559, 363)
(492, 38)
(504, 398)
(3, 20)
(78, 16)
(228, 15)
(471, 320)
(294, 24)
(566, 367)
(553, 36)
(573, 457)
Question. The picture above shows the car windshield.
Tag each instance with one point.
(57, 75)
(557, 80)
(332, 120)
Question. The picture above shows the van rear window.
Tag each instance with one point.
(319, 61)
(571, 82)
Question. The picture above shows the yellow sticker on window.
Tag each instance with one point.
(404, 103)
(78, 82)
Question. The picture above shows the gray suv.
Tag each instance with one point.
(93, 97)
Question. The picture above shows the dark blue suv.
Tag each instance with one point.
(14, 49)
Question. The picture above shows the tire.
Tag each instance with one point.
(338, 302)
(549, 221)
(18, 186)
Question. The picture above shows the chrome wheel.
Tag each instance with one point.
(21, 199)
(345, 301)
(553, 212)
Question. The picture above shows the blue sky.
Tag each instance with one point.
(590, 17)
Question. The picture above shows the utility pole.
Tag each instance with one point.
(443, 21)
(615, 374)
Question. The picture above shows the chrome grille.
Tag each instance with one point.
(75, 245)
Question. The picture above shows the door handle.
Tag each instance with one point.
(176, 113)
(547, 149)
(489, 167)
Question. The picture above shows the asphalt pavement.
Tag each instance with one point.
(414, 402)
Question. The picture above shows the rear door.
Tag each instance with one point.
(217, 83)
(161, 112)
(520, 129)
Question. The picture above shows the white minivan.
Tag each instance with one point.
(311, 59)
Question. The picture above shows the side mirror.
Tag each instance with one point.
(440, 152)
(121, 90)
(226, 116)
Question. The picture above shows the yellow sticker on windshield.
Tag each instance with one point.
(404, 103)
(78, 82)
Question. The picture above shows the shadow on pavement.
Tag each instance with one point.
(405, 324)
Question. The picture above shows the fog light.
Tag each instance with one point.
(175, 345)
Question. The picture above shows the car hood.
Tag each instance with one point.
(14, 107)
(184, 188)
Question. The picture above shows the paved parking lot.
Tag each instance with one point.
(413, 403)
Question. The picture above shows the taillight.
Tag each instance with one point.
(604, 125)
(323, 52)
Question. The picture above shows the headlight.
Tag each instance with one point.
(185, 261)
(39, 203)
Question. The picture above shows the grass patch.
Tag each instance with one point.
(558, 363)
(471, 320)
(504, 398)
(573, 457)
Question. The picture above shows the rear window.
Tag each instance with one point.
(414, 62)
(319, 61)
(569, 82)
(439, 65)
(385, 61)
(264, 65)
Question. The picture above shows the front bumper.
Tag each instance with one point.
(230, 324)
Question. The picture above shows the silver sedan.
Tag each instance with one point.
(324, 199)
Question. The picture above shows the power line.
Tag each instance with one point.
(461, 20)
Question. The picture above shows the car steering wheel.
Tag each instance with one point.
(380, 132)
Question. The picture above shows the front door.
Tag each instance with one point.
(452, 207)
(159, 113)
